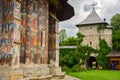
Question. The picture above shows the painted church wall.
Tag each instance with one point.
(1, 12)
(23, 32)
(6, 32)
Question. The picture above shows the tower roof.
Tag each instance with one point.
(92, 18)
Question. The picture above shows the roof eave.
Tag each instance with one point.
(114, 54)
(62, 10)
(66, 11)
(91, 24)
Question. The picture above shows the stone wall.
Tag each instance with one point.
(16, 74)
(34, 70)
(31, 72)
(92, 35)
(5, 73)
(107, 35)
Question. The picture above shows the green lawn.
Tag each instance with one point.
(97, 75)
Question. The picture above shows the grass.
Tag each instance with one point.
(96, 75)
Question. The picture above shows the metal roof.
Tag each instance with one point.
(114, 54)
(92, 18)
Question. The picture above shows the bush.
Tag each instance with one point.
(75, 68)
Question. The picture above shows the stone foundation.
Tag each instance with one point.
(35, 70)
(5, 73)
(56, 72)
(16, 74)
(31, 72)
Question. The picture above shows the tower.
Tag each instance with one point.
(94, 29)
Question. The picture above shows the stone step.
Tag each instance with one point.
(49, 77)
(58, 76)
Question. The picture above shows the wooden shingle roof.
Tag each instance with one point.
(114, 54)
(63, 10)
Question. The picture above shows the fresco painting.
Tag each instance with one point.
(17, 10)
(23, 33)
(8, 15)
(16, 54)
(17, 31)
(7, 11)
(23, 16)
(6, 34)
(1, 11)
(0, 31)
(6, 51)
(34, 22)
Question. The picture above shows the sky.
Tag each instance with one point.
(82, 8)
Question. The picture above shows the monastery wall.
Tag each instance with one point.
(107, 35)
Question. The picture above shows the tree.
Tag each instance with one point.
(70, 41)
(73, 59)
(67, 57)
(115, 23)
(80, 38)
(62, 35)
(102, 58)
(116, 40)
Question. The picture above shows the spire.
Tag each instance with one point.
(93, 5)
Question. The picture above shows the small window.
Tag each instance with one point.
(90, 42)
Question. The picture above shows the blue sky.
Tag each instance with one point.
(104, 8)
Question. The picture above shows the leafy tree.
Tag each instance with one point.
(115, 23)
(75, 58)
(116, 40)
(70, 41)
(83, 52)
(80, 38)
(104, 49)
(62, 35)
(67, 57)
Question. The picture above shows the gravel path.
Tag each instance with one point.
(70, 78)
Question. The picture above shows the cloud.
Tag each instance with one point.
(104, 8)
(87, 7)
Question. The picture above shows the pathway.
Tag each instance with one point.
(70, 78)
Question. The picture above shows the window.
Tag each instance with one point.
(90, 42)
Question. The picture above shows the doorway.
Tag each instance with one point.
(91, 62)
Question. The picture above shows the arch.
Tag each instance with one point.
(91, 62)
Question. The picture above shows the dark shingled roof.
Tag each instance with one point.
(92, 18)
(66, 11)
(62, 10)
(114, 54)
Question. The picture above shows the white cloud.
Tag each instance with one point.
(104, 8)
